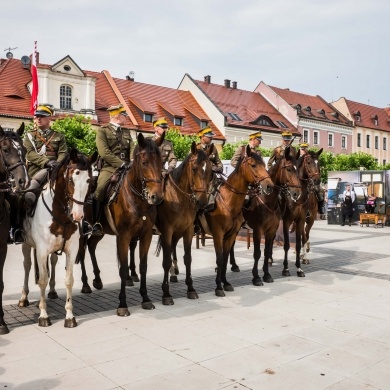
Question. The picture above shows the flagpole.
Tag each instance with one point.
(35, 88)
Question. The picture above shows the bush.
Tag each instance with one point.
(181, 143)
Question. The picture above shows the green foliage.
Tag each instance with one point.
(181, 143)
(78, 133)
(229, 149)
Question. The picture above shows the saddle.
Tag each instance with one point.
(114, 184)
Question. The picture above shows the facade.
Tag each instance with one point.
(238, 112)
(318, 122)
(372, 128)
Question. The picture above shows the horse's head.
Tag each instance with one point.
(284, 174)
(309, 168)
(77, 175)
(13, 157)
(254, 171)
(146, 168)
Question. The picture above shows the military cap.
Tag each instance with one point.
(303, 145)
(116, 110)
(287, 135)
(161, 122)
(256, 135)
(206, 132)
(43, 110)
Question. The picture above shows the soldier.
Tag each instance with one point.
(254, 142)
(278, 152)
(303, 148)
(45, 149)
(115, 147)
(166, 148)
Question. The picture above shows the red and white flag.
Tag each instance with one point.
(34, 75)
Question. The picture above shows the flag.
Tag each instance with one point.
(34, 75)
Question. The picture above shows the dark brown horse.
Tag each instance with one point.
(309, 175)
(13, 178)
(263, 214)
(226, 219)
(132, 216)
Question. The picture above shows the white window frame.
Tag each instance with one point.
(179, 120)
(315, 132)
(306, 136)
(332, 135)
(65, 98)
(151, 115)
(384, 143)
(359, 140)
(344, 138)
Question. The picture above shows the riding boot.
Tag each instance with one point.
(210, 203)
(97, 208)
(37, 181)
(16, 234)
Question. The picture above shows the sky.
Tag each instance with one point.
(331, 48)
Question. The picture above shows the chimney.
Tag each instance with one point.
(207, 79)
(234, 84)
(227, 83)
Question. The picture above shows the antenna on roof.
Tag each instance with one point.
(9, 55)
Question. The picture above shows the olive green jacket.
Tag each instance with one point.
(214, 157)
(34, 140)
(167, 153)
(241, 151)
(278, 154)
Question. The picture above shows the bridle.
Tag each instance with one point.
(285, 187)
(256, 183)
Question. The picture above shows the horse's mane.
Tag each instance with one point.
(177, 173)
(82, 163)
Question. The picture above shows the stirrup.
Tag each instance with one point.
(19, 236)
(87, 228)
(97, 229)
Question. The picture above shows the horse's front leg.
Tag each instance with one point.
(144, 246)
(174, 271)
(306, 247)
(218, 240)
(3, 254)
(256, 280)
(269, 242)
(52, 294)
(187, 243)
(166, 243)
(227, 246)
(92, 244)
(234, 267)
(286, 247)
(122, 245)
(132, 277)
(299, 242)
(80, 258)
(71, 253)
(26, 250)
(43, 278)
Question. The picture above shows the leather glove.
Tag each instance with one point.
(215, 169)
(52, 164)
(170, 169)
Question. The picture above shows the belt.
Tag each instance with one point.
(49, 153)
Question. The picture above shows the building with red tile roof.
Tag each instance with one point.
(319, 123)
(238, 112)
(372, 128)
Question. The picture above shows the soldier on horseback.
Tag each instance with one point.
(45, 149)
(115, 147)
(278, 152)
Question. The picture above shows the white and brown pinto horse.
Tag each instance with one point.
(55, 226)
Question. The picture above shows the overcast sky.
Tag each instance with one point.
(332, 48)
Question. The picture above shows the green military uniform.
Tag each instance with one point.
(115, 146)
(167, 154)
(241, 152)
(214, 157)
(43, 146)
(278, 154)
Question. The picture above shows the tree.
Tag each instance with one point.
(181, 143)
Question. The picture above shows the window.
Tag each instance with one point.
(359, 140)
(384, 143)
(376, 142)
(344, 142)
(263, 122)
(178, 121)
(65, 97)
(203, 124)
(330, 139)
(368, 141)
(148, 117)
(384, 162)
(234, 116)
(282, 124)
(315, 138)
(306, 136)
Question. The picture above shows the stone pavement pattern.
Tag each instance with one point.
(329, 330)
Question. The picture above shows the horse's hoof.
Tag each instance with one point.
(270, 262)
(257, 282)
(70, 323)
(301, 274)
(98, 284)
(286, 272)
(235, 268)
(219, 293)
(268, 279)
(135, 278)
(173, 279)
(167, 301)
(52, 295)
(4, 328)
(148, 305)
(86, 289)
(122, 312)
(24, 303)
(129, 282)
(308, 247)
(192, 295)
(304, 261)
(228, 287)
(44, 321)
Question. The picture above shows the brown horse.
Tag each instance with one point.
(13, 178)
(309, 175)
(263, 214)
(226, 219)
(132, 216)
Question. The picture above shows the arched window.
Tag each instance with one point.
(65, 97)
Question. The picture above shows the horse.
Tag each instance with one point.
(309, 176)
(131, 216)
(263, 214)
(55, 225)
(226, 219)
(13, 178)
(185, 192)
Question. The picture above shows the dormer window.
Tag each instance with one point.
(357, 115)
(203, 124)
(65, 97)
(148, 118)
(375, 119)
(307, 109)
(178, 121)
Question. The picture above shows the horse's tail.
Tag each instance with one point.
(158, 247)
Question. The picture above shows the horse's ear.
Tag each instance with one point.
(298, 154)
(20, 131)
(1, 131)
(194, 149)
(93, 157)
(287, 152)
(248, 150)
(210, 150)
(319, 152)
(141, 141)
(73, 155)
